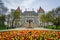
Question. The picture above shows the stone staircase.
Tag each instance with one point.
(27, 25)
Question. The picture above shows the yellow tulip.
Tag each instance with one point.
(30, 37)
(40, 38)
(22, 37)
(13, 39)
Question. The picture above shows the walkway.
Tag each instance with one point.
(28, 29)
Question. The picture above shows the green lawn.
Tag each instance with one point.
(53, 27)
(3, 27)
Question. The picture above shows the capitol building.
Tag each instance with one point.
(30, 18)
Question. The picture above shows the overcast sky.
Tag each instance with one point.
(47, 5)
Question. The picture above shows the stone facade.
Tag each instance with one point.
(33, 16)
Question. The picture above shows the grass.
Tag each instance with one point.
(53, 27)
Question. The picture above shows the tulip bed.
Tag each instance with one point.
(30, 35)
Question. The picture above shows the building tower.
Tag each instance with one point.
(40, 13)
(18, 10)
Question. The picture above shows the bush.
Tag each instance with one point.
(58, 27)
(51, 27)
(2, 27)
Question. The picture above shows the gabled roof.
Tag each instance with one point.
(40, 10)
(18, 9)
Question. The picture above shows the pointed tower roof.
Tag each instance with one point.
(40, 10)
(18, 9)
